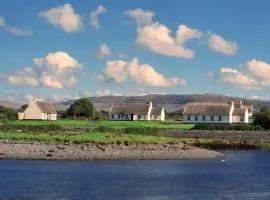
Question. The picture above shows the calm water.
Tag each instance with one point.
(244, 175)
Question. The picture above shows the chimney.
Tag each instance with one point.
(232, 104)
(241, 104)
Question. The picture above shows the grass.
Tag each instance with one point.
(94, 137)
(106, 124)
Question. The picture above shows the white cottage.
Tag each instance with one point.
(38, 110)
(217, 112)
(135, 111)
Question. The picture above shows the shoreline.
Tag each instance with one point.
(22, 150)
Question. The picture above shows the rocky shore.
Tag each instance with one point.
(89, 151)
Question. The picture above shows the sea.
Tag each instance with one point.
(241, 175)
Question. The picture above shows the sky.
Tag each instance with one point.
(60, 50)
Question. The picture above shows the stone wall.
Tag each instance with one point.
(248, 136)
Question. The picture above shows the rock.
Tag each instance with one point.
(60, 147)
(49, 155)
(51, 151)
(1, 154)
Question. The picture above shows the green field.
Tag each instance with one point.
(94, 137)
(107, 124)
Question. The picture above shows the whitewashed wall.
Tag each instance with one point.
(224, 119)
(33, 112)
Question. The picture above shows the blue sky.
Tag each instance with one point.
(68, 49)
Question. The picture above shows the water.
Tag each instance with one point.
(241, 175)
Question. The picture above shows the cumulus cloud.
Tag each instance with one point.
(185, 33)
(25, 78)
(56, 70)
(220, 45)
(254, 74)
(94, 21)
(140, 16)
(63, 17)
(17, 31)
(157, 38)
(104, 51)
(144, 74)
(115, 71)
(259, 69)
(238, 79)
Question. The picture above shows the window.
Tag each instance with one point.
(196, 118)
(112, 116)
(155, 117)
(220, 118)
(212, 118)
(188, 117)
(241, 118)
(139, 116)
(119, 116)
(203, 118)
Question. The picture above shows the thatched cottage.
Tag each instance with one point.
(217, 112)
(38, 110)
(135, 111)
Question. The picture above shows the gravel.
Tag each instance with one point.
(89, 151)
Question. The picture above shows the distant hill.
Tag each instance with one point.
(9, 104)
(171, 102)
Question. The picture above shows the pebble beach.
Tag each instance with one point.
(90, 151)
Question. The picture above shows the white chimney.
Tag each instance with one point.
(241, 104)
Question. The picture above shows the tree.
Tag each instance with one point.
(7, 113)
(262, 118)
(81, 108)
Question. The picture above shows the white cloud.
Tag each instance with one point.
(56, 70)
(107, 92)
(157, 38)
(115, 71)
(25, 78)
(94, 21)
(234, 77)
(220, 45)
(185, 33)
(18, 31)
(64, 17)
(140, 16)
(259, 69)
(104, 51)
(144, 74)
(58, 61)
(2, 22)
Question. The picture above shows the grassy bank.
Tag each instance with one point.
(93, 137)
(107, 124)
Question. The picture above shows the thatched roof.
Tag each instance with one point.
(207, 108)
(134, 108)
(239, 111)
(130, 108)
(156, 110)
(45, 107)
(244, 105)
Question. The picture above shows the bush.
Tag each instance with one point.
(236, 127)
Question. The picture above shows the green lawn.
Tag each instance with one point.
(94, 137)
(107, 124)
